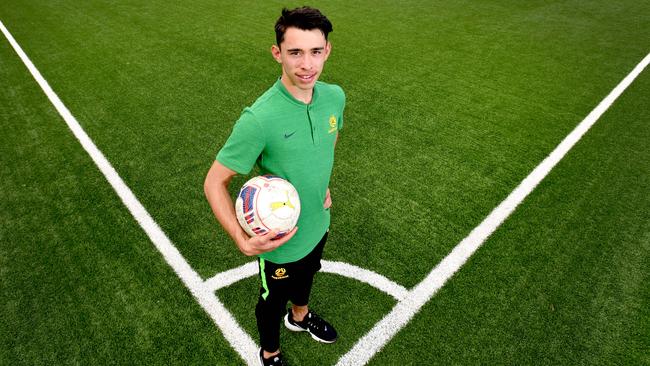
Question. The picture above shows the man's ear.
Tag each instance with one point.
(328, 49)
(275, 51)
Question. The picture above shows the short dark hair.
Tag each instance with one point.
(305, 18)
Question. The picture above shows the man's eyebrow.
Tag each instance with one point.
(299, 49)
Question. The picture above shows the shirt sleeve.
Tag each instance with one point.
(244, 146)
(342, 96)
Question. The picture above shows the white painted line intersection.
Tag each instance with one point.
(404, 311)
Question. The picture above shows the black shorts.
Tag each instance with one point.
(282, 283)
(291, 281)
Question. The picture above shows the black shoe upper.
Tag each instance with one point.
(273, 361)
(316, 325)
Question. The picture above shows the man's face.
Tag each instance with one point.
(302, 55)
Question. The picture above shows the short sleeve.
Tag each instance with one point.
(342, 101)
(244, 146)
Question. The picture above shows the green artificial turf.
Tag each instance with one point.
(564, 280)
(449, 106)
(80, 282)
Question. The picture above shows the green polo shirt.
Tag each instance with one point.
(293, 140)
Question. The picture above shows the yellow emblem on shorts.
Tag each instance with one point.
(280, 273)
(333, 124)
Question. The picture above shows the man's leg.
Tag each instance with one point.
(300, 299)
(302, 285)
(299, 318)
(270, 309)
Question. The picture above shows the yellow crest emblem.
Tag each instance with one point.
(280, 272)
(333, 124)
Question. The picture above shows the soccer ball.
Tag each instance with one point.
(267, 203)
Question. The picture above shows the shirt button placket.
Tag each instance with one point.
(314, 126)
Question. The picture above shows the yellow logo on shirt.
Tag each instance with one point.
(333, 124)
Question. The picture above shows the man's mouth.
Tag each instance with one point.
(307, 78)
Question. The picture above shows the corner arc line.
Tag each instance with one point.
(229, 277)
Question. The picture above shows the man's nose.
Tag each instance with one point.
(306, 62)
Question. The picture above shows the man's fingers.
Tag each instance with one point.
(328, 199)
(266, 243)
(284, 239)
(290, 234)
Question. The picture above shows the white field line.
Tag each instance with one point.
(404, 311)
(235, 335)
(227, 278)
(363, 275)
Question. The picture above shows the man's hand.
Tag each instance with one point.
(264, 243)
(328, 200)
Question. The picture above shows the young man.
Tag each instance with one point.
(290, 131)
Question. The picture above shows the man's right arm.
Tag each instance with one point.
(216, 191)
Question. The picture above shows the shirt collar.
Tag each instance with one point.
(283, 90)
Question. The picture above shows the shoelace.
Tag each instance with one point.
(314, 321)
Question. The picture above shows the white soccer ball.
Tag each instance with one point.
(267, 203)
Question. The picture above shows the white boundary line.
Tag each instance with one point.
(233, 333)
(404, 311)
(363, 275)
(409, 302)
(227, 278)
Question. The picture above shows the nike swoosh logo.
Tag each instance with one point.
(287, 135)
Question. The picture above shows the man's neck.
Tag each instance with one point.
(302, 95)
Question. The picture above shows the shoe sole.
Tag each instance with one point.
(295, 328)
(259, 357)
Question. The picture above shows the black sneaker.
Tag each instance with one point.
(319, 329)
(273, 361)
